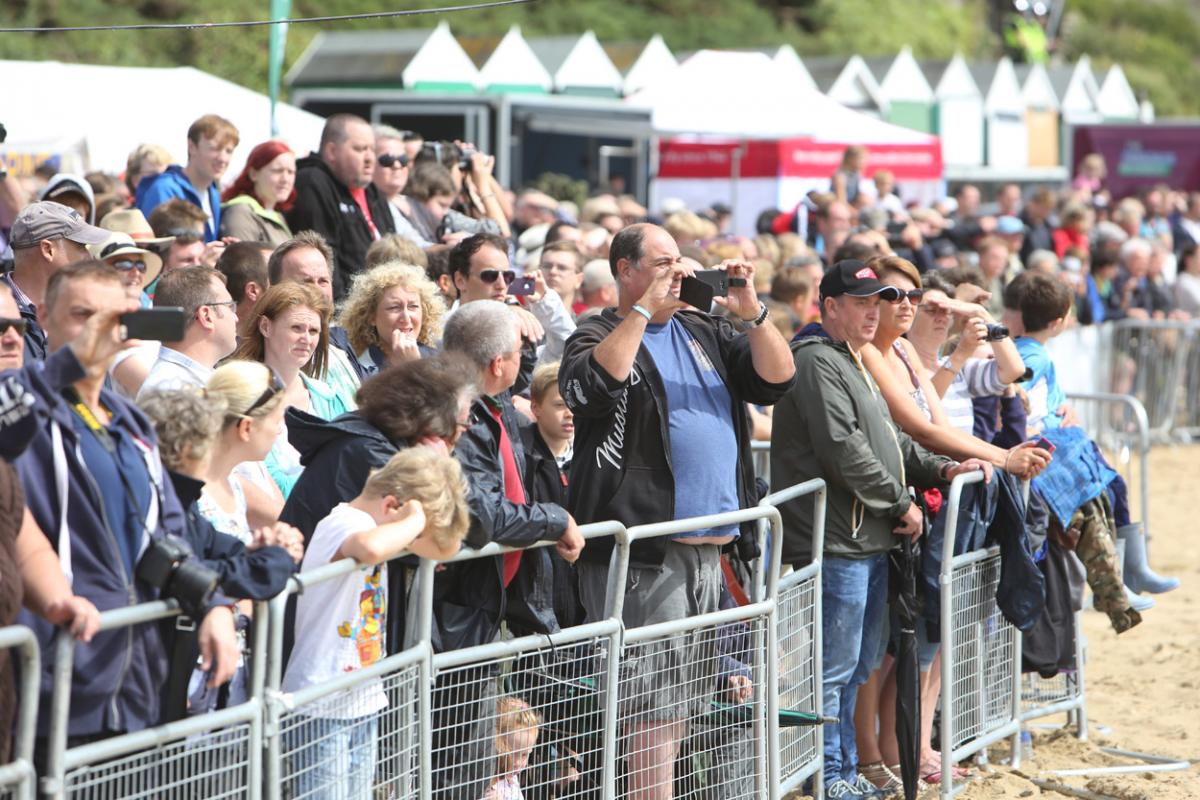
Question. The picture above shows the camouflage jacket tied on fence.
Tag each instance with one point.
(1090, 535)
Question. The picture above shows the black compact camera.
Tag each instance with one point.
(464, 160)
(168, 566)
(996, 332)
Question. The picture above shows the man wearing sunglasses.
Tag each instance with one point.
(12, 333)
(45, 237)
(391, 176)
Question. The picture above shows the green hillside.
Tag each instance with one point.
(1157, 41)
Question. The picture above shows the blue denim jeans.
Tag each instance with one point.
(854, 605)
(333, 758)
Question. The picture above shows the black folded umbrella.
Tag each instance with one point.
(905, 599)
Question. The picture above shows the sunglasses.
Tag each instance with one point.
(13, 322)
(914, 296)
(273, 388)
(393, 160)
(490, 275)
(125, 265)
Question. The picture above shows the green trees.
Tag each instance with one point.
(1154, 40)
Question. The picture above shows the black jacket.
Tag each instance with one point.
(622, 466)
(324, 204)
(252, 574)
(470, 598)
(545, 582)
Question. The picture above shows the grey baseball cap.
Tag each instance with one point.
(49, 220)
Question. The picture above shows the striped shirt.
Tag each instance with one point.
(980, 377)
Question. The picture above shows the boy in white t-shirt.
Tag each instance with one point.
(415, 504)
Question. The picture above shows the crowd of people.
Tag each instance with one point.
(375, 351)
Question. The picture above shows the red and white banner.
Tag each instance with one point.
(793, 158)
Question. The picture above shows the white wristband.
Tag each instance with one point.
(643, 311)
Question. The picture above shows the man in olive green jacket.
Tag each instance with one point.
(833, 424)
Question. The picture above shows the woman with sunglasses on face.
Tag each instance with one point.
(391, 176)
(253, 205)
(915, 406)
(255, 401)
(393, 314)
(138, 267)
(975, 367)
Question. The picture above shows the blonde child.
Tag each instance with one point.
(415, 504)
(516, 734)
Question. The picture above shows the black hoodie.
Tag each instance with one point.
(324, 204)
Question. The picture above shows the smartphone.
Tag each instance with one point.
(696, 292)
(521, 286)
(719, 280)
(165, 324)
(1045, 444)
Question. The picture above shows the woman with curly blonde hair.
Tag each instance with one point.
(393, 314)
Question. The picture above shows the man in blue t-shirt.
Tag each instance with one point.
(659, 397)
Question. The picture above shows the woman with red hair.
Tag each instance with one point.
(265, 188)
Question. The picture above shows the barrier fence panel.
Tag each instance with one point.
(798, 649)
(213, 755)
(698, 703)
(536, 711)
(17, 779)
(1119, 424)
(980, 652)
(1151, 361)
(358, 734)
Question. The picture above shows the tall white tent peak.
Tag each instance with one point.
(957, 81)
(791, 68)
(655, 58)
(1116, 98)
(587, 65)
(855, 85)
(904, 80)
(1037, 89)
(441, 60)
(513, 62)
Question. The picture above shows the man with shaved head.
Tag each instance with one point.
(336, 198)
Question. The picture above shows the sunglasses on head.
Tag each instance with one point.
(393, 160)
(273, 388)
(914, 296)
(18, 323)
(490, 275)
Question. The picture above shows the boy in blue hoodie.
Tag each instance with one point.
(211, 141)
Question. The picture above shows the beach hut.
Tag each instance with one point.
(848, 81)
(1041, 115)
(958, 112)
(640, 64)
(1006, 137)
(507, 65)
(1077, 92)
(791, 68)
(578, 65)
(1116, 101)
(419, 61)
(906, 91)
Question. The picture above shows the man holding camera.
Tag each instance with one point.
(336, 198)
(94, 483)
(659, 395)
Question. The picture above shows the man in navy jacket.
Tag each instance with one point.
(94, 483)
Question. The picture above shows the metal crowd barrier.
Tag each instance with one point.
(213, 755)
(980, 651)
(1158, 362)
(801, 749)
(1119, 424)
(17, 777)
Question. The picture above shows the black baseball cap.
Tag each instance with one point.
(855, 278)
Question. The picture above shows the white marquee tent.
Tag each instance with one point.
(92, 116)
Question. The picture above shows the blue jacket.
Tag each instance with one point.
(158, 189)
(117, 676)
